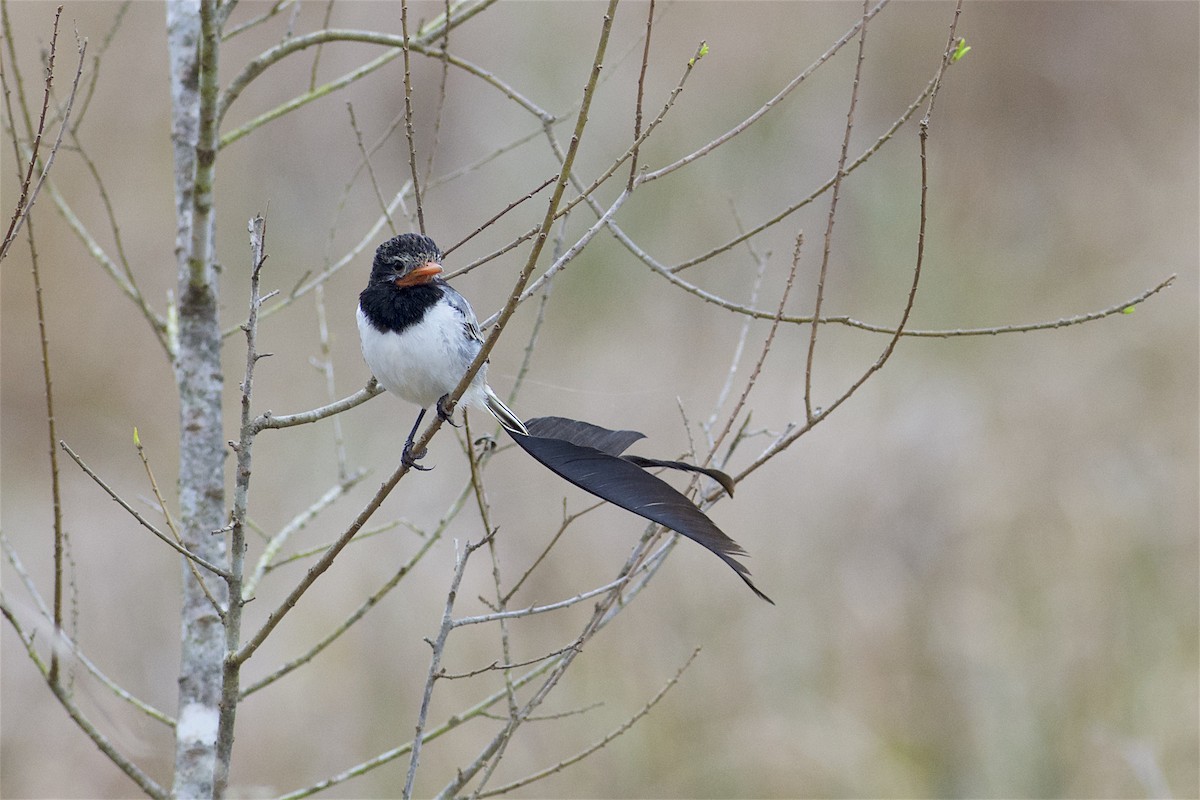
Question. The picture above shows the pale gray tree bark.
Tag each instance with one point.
(191, 40)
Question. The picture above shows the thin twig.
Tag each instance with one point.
(835, 195)
(339, 441)
(157, 323)
(517, 295)
(766, 348)
(530, 611)
(567, 519)
(60, 540)
(231, 670)
(135, 773)
(90, 91)
(345, 624)
(440, 104)
(762, 110)
(312, 73)
(481, 503)
(268, 421)
(383, 206)
(438, 646)
(257, 66)
(494, 218)
(20, 210)
(409, 134)
(743, 334)
(294, 526)
(475, 711)
(309, 552)
(63, 642)
(275, 8)
(162, 507)
(213, 568)
(28, 198)
(506, 667)
(608, 737)
(790, 437)
(641, 93)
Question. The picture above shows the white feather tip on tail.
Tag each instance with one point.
(504, 414)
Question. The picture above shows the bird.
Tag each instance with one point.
(419, 336)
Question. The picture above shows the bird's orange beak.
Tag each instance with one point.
(422, 274)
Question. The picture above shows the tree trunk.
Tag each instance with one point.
(197, 352)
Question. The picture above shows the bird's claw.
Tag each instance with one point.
(409, 459)
(443, 414)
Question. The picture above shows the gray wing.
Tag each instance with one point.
(460, 304)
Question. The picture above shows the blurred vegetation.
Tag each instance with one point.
(985, 564)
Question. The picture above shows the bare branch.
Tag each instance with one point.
(213, 568)
(785, 441)
(345, 624)
(267, 420)
(762, 356)
(761, 112)
(475, 711)
(516, 296)
(383, 206)
(580, 756)
(409, 135)
(55, 489)
(135, 773)
(833, 202)
(317, 569)
(28, 198)
(506, 667)
(641, 92)
(231, 669)
(166, 512)
(62, 644)
(440, 109)
(276, 7)
(532, 610)
(294, 526)
(461, 12)
(435, 660)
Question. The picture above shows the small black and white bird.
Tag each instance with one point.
(419, 337)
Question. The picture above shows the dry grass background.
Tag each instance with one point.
(985, 564)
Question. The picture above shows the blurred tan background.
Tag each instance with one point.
(985, 563)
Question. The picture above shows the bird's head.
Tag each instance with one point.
(409, 259)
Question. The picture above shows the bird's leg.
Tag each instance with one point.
(407, 457)
(446, 416)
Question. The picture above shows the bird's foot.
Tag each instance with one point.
(444, 414)
(409, 459)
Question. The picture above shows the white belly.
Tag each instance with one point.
(424, 362)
